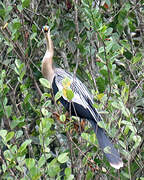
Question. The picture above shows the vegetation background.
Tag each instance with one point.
(102, 41)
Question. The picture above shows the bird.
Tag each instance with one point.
(81, 103)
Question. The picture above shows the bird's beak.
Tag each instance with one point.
(45, 29)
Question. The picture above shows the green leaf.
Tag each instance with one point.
(25, 3)
(8, 110)
(35, 173)
(16, 25)
(8, 155)
(122, 144)
(101, 124)
(19, 7)
(109, 31)
(47, 103)
(16, 121)
(44, 82)
(24, 145)
(33, 36)
(3, 133)
(9, 136)
(34, 28)
(62, 158)
(137, 58)
(122, 107)
(45, 111)
(45, 124)
(125, 93)
(18, 134)
(58, 95)
(69, 94)
(2, 13)
(43, 159)
(70, 177)
(45, 95)
(137, 140)
(30, 162)
(101, 83)
(109, 46)
(125, 111)
(89, 175)
(61, 43)
(18, 64)
(62, 118)
(100, 50)
(4, 167)
(129, 125)
(85, 136)
(67, 172)
(89, 137)
(3, 74)
(107, 150)
(22, 74)
(53, 168)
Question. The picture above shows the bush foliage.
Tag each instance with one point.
(102, 42)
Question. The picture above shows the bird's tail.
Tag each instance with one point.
(107, 147)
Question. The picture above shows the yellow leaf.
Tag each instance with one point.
(66, 82)
(64, 92)
(100, 96)
(6, 24)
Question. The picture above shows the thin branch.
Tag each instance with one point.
(78, 38)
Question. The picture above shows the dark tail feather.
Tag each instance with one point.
(108, 148)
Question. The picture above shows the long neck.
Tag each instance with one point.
(47, 62)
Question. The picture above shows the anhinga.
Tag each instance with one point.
(82, 102)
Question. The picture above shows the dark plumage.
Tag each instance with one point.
(82, 102)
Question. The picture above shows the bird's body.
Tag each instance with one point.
(81, 104)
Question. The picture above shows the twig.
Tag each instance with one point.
(78, 39)
(138, 86)
(71, 152)
(92, 75)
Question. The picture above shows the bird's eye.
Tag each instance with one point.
(45, 28)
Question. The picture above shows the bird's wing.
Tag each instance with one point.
(81, 93)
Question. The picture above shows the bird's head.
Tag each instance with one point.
(46, 29)
(49, 43)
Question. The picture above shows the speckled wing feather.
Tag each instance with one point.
(81, 93)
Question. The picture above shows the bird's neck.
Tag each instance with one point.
(47, 66)
(47, 62)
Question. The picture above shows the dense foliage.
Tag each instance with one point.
(103, 43)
